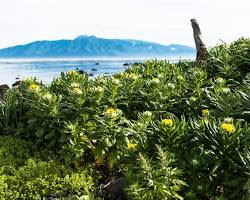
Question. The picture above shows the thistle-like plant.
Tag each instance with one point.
(150, 178)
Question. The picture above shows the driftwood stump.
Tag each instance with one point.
(201, 50)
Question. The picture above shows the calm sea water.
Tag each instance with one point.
(46, 70)
(12, 70)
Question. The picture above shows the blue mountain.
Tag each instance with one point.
(91, 46)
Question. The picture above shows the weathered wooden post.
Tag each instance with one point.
(201, 50)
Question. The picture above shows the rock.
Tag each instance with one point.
(81, 71)
(114, 189)
(3, 90)
(94, 70)
(97, 63)
(90, 74)
(4, 87)
(16, 84)
(126, 64)
(52, 196)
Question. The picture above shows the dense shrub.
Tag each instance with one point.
(200, 114)
(24, 175)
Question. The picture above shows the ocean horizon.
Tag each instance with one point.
(46, 69)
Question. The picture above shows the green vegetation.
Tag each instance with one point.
(25, 174)
(171, 131)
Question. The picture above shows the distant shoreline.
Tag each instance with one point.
(184, 57)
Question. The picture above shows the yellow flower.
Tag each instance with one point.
(226, 90)
(171, 85)
(192, 99)
(111, 113)
(147, 114)
(72, 72)
(133, 76)
(34, 88)
(77, 91)
(131, 146)
(160, 75)
(228, 127)
(155, 81)
(180, 78)
(75, 85)
(219, 80)
(47, 96)
(99, 89)
(167, 122)
(205, 112)
(116, 81)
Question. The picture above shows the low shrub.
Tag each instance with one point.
(23, 176)
(199, 113)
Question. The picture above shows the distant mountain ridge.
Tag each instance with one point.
(91, 46)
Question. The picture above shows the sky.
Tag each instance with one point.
(161, 21)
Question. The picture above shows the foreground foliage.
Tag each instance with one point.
(200, 114)
(154, 179)
(24, 174)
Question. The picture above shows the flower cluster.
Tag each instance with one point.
(219, 80)
(133, 76)
(193, 99)
(228, 127)
(34, 88)
(75, 85)
(116, 81)
(98, 89)
(155, 81)
(167, 122)
(171, 85)
(132, 146)
(205, 112)
(111, 113)
(47, 96)
(77, 91)
(72, 72)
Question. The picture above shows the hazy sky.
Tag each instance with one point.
(162, 21)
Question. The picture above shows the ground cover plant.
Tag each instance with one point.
(169, 131)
